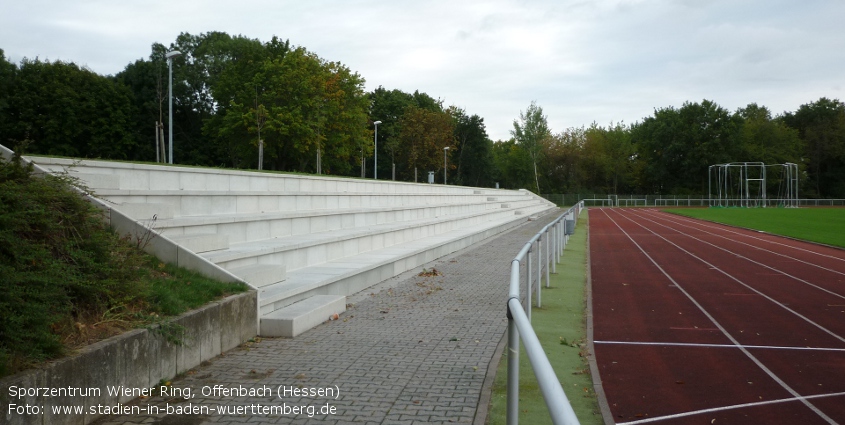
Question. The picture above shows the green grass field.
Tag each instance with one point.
(822, 225)
(561, 327)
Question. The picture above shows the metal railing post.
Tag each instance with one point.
(554, 247)
(548, 261)
(513, 372)
(528, 276)
(539, 270)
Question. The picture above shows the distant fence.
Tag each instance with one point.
(602, 200)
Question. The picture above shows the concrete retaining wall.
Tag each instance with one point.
(138, 359)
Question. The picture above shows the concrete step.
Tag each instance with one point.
(298, 251)
(346, 276)
(202, 242)
(261, 275)
(146, 211)
(203, 203)
(98, 181)
(301, 316)
(257, 226)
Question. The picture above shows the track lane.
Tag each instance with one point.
(807, 297)
(708, 285)
(826, 264)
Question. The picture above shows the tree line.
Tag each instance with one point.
(669, 153)
(243, 103)
(239, 103)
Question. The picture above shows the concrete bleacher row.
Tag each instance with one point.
(304, 242)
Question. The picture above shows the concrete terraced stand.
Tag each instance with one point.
(304, 242)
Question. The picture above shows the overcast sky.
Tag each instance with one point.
(582, 61)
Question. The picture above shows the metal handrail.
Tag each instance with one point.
(519, 322)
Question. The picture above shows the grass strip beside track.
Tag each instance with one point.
(561, 327)
(822, 225)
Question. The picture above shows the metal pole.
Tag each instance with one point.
(513, 371)
(528, 276)
(554, 247)
(548, 262)
(539, 270)
(375, 161)
(444, 164)
(170, 110)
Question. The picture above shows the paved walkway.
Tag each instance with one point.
(412, 350)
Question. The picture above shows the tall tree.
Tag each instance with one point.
(676, 146)
(423, 135)
(69, 111)
(474, 156)
(821, 126)
(531, 132)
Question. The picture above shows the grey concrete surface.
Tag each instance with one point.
(410, 350)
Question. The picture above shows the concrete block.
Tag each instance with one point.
(146, 211)
(260, 275)
(202, 242)
(164, 180)
(301, 316)
(247, 204)
(136, 361)
(189, 351)
(209, 337)
(164, 352)
(191, 261)
(29, 379)
(238, 319)
(98, 181)
(64, 373)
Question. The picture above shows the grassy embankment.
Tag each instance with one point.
(822, 225)
(561, 328)
(67, 280)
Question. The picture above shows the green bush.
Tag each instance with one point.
(62, 267)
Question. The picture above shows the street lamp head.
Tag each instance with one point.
(446, 148)
(377, 122)
(172, 54)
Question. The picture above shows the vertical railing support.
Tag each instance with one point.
(539, 270)
(528, 276)
(554, 247)
(513, 372)
(547, 260)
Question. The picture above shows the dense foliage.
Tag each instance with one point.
(65, 277)
(237, 99)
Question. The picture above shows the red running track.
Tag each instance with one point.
(698, 323)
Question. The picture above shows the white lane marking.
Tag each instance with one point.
(836, 294)
(665, 217)
(735, 279)
(724, 331)
(688, 344)
(722, 227)
(731, 407)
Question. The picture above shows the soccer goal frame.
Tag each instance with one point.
(750, 184)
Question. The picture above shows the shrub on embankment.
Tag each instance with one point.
(66, 279)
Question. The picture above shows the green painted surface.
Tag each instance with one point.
(561, 328)
(822, 225)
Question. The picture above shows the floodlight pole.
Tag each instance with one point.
(170, 55)
(375, 161)
(444, 163)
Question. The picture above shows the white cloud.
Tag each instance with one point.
(582, 61)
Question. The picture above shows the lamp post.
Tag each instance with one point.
(170, 55)
(444, 163)
(375, 161)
